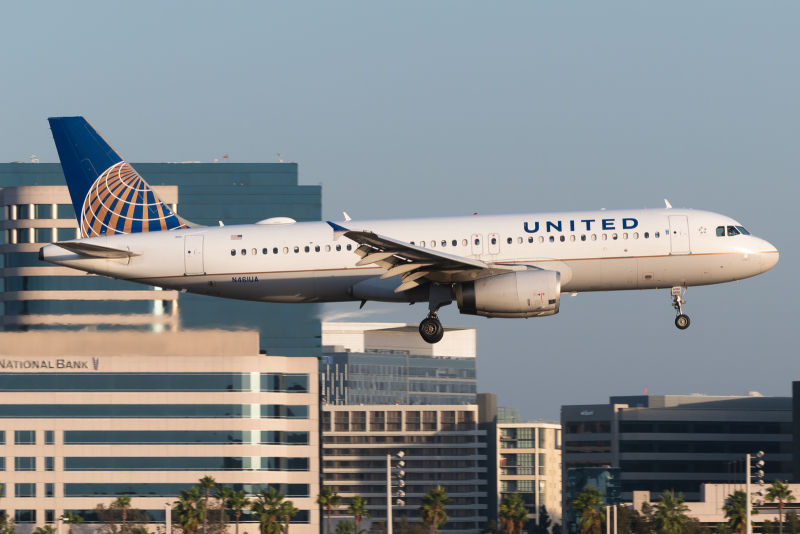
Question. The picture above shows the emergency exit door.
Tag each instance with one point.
(193, 254)
(679, 234)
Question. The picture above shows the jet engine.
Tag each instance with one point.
(531, 293)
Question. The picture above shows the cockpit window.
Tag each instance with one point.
(742, 230)
(732, 231)
(720, 231)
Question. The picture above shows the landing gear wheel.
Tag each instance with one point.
(682, 321)
(431, 330)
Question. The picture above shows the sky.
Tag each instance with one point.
(409, 109)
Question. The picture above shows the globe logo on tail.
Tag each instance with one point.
(121, 202)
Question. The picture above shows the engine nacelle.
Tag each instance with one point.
(517, 294)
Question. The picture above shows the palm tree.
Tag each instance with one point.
(779, 492)
(237, 502)
(589, 504)
(141, 530)
(345, 527)
(513, 513)
(206, 484)
(72, 519)
(47, 529)
(432, 509)
(358, 508)
(329, 499)
(190, 509)
(267, 506)
(671, 513)
(736, 511)
(287, 511)
(223, 495)
(123, 502)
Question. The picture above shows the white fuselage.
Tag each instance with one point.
(302, 262)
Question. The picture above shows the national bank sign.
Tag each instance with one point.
(49, 364)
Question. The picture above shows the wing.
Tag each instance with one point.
(411, 262)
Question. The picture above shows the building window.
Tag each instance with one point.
(541, 463)
(466, 421)
(49, 463)
(588, 427)
(27, 489)
(25, 516)
(25, 463)
(412, 421)
(49, 516)
(49, 437)
(377, 421)
(326, 421)
(541, 438)
(284, 383)
(2, 437)
(24, 437)
(429, 421)
(525, 485)
(49, 489)
(448, 421)
(358, 421)
(341, 421)
(65, 211)
(2, 463)
(394, 421)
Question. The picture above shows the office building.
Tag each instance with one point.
(389, 363)
(88, 416)
(442, 447)
(37, 210)
(677, 442)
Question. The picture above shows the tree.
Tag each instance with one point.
(287, 511)
(779, 492)
(492, 527)
(47, 529)
(237, 502)
(267, 506)
(206, 484)
(544, 522)
(557, 528)
(328, 498)
(72, 519)
(433, 510)
(589, 505)
(642, 521)
(624, 520)
(736, 511)
(513, 513)
(767, 527)
(223, 495)
(358, 509)
(141, 529)
(345, 526)
(671, 513)
(793, 522)
(123, 503)
(722, 528)
(190, 509)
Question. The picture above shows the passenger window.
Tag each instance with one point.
(307, 249)
(444, 243)
(508, 240)
(455, 243)
(742, 230)
(433, 244)
(552, 239)
(572, 238)
(647, 235)
(594, 237)
(519, 240)
(657, 235)
(285, 250)
(349, 247)
(275, 250)
(583, 237)
(254, 251)
(562, 238)
(732, 231)
(477, 241)
(338, 248)
(605, 237)
(614, 237)
(464, 242)
(327, 248)
(411, 243)
(636, 235)
(530, 239)
(494, 241)
(233, 252)
(296, 250)
(422, 244)
(541, 239)
(244, 252)
(264, 251)
(720, 231)
(316, 248)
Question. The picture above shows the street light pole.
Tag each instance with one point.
(400, 493)
(748, 473)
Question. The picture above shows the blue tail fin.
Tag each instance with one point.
(108, 196)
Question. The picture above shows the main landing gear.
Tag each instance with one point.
(681, 321)
(431, 328)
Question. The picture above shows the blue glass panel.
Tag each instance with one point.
(170, 490)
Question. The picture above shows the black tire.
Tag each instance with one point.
(431, 330)
(682, 322)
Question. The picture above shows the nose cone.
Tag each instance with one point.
(769, 256)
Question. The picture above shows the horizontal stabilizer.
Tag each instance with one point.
(97, 251)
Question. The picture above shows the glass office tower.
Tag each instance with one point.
(37, 210)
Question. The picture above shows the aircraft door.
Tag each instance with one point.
(679, 234)
(193, 254)
(494, 243)
(477, 244)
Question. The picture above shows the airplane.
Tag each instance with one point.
(506, 266)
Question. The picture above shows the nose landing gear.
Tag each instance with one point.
(681, 321)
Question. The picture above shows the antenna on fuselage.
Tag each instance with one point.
(669, 206)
